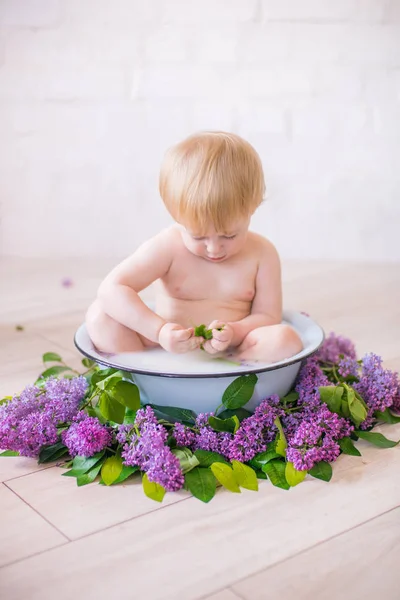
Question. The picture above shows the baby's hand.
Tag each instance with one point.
(221, 339)
(175, 338)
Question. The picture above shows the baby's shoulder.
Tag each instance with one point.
(261, 244)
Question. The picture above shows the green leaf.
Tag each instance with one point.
(82, 464)
(130, 416)
(275, 469)
(88, 477)
(225, 475)
(332, 396)
(261, 475)
(182, 415)
(51, 357)
(230, 425)
(322, 470)
(5, 400)
(281, 443)
(52, 372)
(111, 469)
(245, 476)
(376, 438)
(387, 417)
(202, 331)
(109, 382)
(9, 453)
(207, 458)
(111, 409)
(187, 459)
(291, 397)
(344, 408)
(126, 472)
(153, 490)
(101, 374)
(53, 452)
(201, 483)
(240, 391)
(347, 447)
(293, 476)
(127, 394)
(88, 363)
(357, 410)
(263, 457)
(240, 413)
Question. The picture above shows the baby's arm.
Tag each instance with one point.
(118, 294)
(267, 303)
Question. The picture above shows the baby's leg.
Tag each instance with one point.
(269, 344)
(110, 336)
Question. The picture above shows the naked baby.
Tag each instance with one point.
(210, 269)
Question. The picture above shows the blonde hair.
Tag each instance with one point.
(214, 177)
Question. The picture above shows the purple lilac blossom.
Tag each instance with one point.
(348, 367)
(316, 439)
(335, 345)
(257, 431)
(183, 435)
(146, 448)
(396, 401)
(29, 421)
(209, 439)
(86, 436)
(378, 387)
(310, 378)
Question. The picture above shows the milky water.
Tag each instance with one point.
(157, 360)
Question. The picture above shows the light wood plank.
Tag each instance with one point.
(23, 532)
(79, 511)
(362, 563)
(196, 549)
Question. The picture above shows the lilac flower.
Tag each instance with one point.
(304, 458)
(145, 415)
(146, 448)
(29, 421)
(316, 439)
(183, 435)
(63, 397)
(27, 435)
(164, 468)
(86, 436)
(333, 346)
(310, 378)
(348, 366)
(396, 401)
(377, 386)
(123, 433)
(257, 431)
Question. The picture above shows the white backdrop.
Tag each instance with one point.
(92, 92)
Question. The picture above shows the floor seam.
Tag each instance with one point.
(27, 474)
(231, 586)
(20, 560)
(73, 540)
(37, 512)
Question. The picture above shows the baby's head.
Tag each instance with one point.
(211, 183)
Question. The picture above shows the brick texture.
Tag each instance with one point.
(93, 92)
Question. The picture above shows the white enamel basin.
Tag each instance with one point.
(197, 380)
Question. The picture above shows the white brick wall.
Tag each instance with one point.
(92, 92)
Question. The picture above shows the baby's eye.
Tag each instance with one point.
(230, 237)
(198, 238)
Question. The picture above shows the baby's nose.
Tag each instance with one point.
(213, 247)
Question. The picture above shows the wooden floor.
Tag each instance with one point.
(318, 540)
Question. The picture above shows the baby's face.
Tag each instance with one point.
(215, 246)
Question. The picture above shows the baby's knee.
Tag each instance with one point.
(290, 340)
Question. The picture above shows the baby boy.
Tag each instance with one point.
(210, 268)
